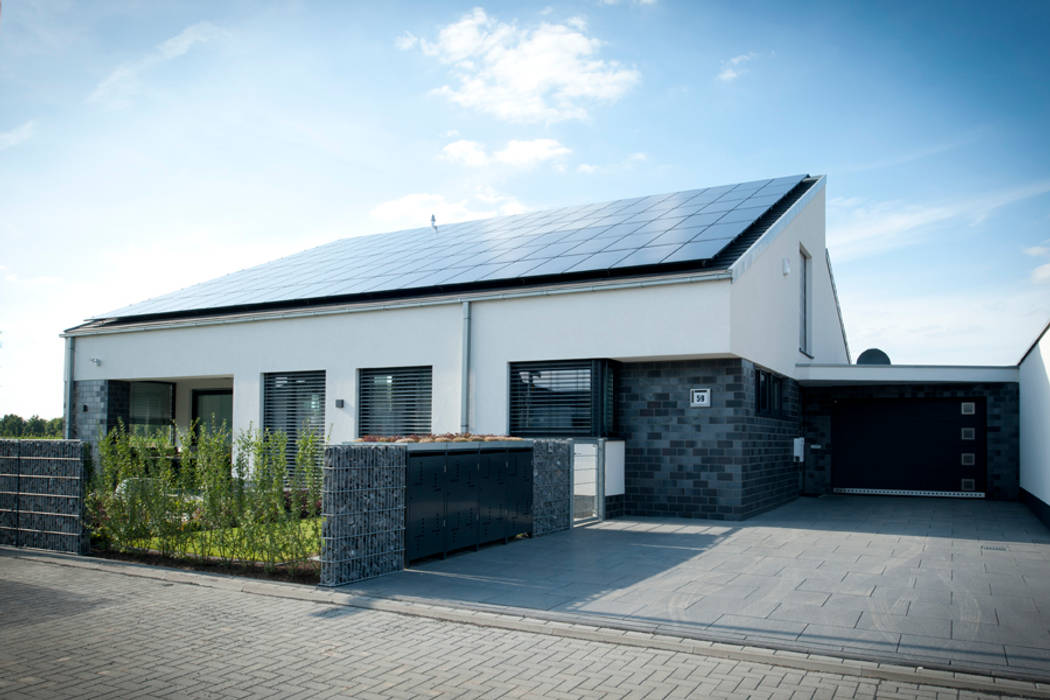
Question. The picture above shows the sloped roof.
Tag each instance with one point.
(664, 232)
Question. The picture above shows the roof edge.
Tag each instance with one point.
(1035, 342)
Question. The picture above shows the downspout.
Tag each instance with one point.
(464, 396)
(70, 407)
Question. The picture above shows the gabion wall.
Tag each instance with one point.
(42, 494)
(551, 492)
(363, 505)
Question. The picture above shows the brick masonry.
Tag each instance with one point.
(42, 494)
(723, 462)
(1003, 427)
(98, 405)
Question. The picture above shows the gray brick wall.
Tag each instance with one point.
(722, 462)
(1003, 427)
(97, 406)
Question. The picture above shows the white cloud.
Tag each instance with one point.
(530, 153)
(464, 152)
(626, 164)
(857, 230)
(414, 210)
(517, 153)
(117, 89)
(1041, 274)
(546, 74)
(406, 41)
(20, 134)
(1037, 251)
(734, 67)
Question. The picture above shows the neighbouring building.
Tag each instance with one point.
(701, 328)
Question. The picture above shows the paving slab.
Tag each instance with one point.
(891, 577)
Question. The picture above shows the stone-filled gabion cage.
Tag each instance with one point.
(363, 506)
(42, 494)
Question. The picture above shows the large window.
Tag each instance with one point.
(567, 398)
(769, 394)
(293, 402)
(394, 401)
(151, 408)
(805, 269)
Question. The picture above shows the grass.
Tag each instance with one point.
(206, 543)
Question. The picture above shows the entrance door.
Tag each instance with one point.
(923, 447)
(213, 407)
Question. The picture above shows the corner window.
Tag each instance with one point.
(769, 394)
(805, 269)
(394, 401)
(293, 402)
(572, 398)
(151, 408)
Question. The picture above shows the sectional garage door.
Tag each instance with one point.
(922, 447)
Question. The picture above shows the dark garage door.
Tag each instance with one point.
(910, 446)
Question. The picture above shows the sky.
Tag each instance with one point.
(147, 146)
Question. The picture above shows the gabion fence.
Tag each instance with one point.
(363, 504)
(42, 494)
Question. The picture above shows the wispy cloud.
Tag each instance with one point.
(734, 67)
(414, 210)
(117, 89)
(20, 134)
(549, 73)
(857, 229)
(626, 164)
(910, 156)
(517, 153)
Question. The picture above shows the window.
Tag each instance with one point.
(394, 401)
(805, 273)
(769, 393)
(567, 398)
(151, 408)
(293, 402)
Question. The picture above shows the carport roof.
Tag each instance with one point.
(705, 228)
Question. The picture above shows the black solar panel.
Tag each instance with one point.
(669, 228)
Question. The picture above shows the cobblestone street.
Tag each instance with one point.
(68, 631)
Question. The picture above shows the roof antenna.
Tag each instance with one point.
(433, 222)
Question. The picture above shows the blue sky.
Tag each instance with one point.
(148, 146)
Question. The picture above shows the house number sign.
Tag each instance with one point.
(700, 398)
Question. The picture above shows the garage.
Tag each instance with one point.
(922, 447)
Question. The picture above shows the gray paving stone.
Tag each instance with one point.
(817, 614)
(914, 625)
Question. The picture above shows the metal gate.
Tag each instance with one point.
(465, 498)
(588, 480)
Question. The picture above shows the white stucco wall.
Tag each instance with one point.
(765, 301)
(683, 320)
(1034, 376)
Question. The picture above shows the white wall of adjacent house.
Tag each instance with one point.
(1034, 380)
(680, 320)
(767, 295)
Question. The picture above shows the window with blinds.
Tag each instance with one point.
(293, 402)
(570, 398)
(151, 409)
(394, 401)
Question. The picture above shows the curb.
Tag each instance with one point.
(535, 621)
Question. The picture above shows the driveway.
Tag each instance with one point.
(949, 583)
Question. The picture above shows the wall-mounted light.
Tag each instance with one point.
(95, 361)
(785, 266)
(339, 403)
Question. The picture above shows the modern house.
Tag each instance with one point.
(702, 328)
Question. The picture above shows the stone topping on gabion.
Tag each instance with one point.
(363, 504)
(551, 468)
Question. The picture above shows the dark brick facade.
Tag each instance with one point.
(97, 406)
(723, 462)
(1003, 427)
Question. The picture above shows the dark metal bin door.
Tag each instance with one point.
(425, 506)
(909, 445)
(492, 489)
(519, 492)
(461, 500)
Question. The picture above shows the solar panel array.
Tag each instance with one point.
(679, 227)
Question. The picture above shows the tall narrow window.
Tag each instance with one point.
(394, 401)
(561, 398)
(804, 301)
(293, 402)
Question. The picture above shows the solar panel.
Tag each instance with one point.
(694, 225)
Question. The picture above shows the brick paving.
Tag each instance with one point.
(74, 631)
